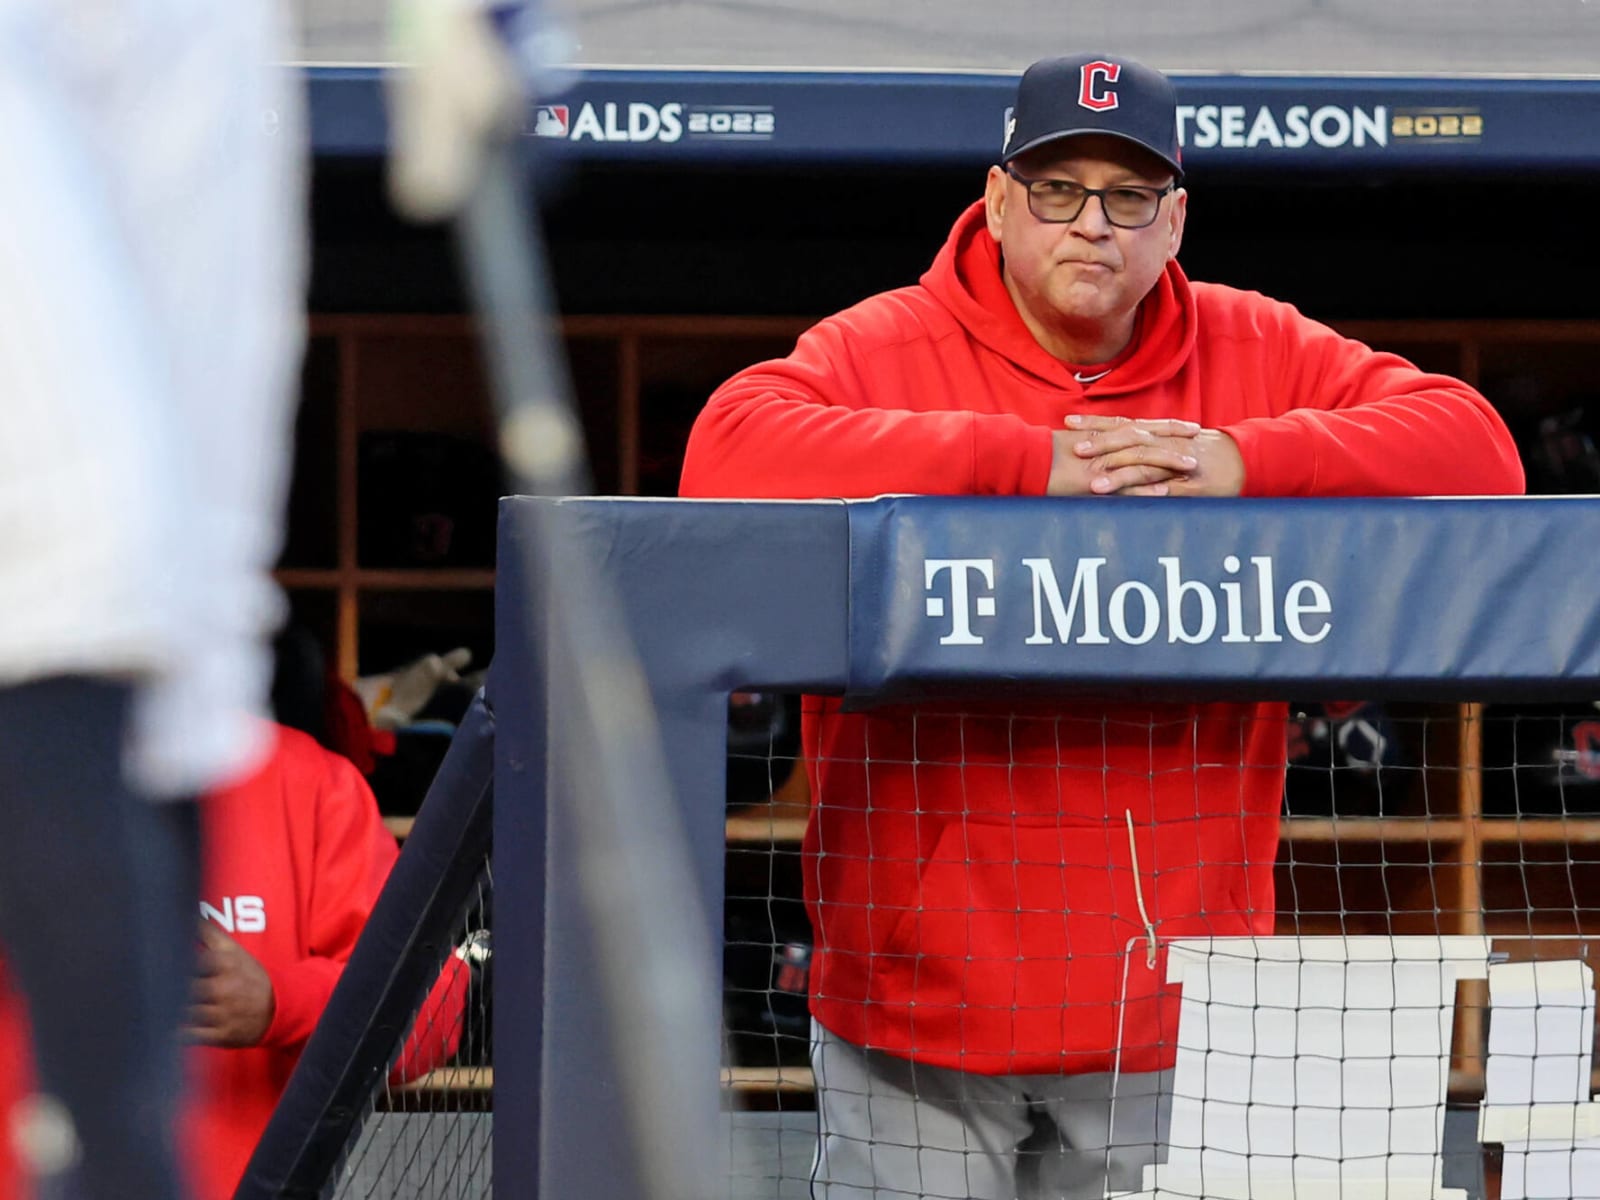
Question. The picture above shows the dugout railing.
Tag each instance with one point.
(1446, 601)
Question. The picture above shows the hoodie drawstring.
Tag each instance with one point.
(1138, 896)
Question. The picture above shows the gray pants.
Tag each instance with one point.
(893, 1130)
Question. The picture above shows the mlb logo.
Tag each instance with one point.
(550, 120)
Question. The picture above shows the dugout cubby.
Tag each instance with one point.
(396, 474)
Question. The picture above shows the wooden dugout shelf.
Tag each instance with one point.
(758, 828)
(753, 827)
(734, 1079)
(452, 1079)
(766, 1081)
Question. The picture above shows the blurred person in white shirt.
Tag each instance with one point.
(151, 279)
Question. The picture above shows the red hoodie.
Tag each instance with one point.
(294, 858)
(993, 892)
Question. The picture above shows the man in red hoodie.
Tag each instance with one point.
(992, 892)
(294, 856)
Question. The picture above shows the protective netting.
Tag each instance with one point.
(427, 1130)
(1010, 951)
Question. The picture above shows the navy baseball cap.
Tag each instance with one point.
(1094, 93)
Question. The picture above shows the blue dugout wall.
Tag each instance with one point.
(1371, 124)
(910, 597)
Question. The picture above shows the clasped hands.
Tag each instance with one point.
(1127, 456)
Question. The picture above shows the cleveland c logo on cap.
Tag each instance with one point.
(1093, 90)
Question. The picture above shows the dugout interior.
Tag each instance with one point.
(670, 279)
(675, 269)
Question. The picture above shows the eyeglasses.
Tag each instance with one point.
(1060, 201)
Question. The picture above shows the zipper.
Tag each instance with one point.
(1138, 896)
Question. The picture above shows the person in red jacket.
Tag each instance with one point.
(992, 892)
(294, 858)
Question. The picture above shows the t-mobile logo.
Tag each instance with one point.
(963, 606)
(1237, 604)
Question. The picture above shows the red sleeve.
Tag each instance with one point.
(1358, 422)
(805, 427)
(352, 857)
(436, 1033)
